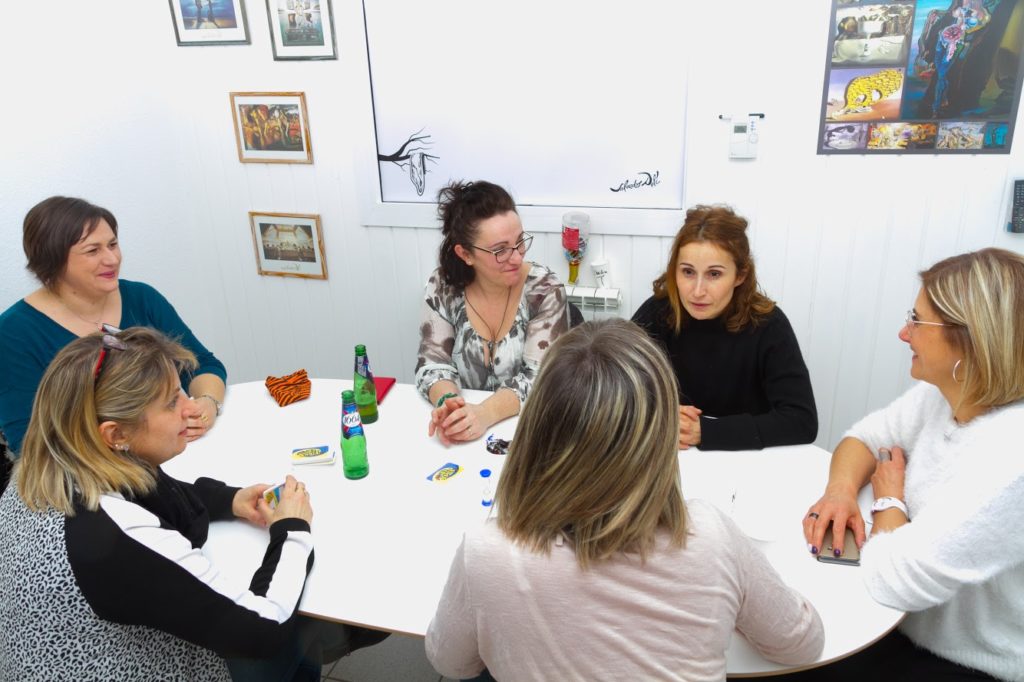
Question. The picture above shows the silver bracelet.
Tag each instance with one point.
(216, 403)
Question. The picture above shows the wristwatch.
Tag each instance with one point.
(883, 503)
(218, 404)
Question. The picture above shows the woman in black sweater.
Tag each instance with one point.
(743, 384)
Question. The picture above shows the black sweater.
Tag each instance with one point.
(753, 382)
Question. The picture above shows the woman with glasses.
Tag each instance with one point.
(947, 473)
(73, 249)
(102, 574)
(743, 384)
(488, 315)
(595, 567)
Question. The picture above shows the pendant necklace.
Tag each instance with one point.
(95, 323)
(490, 342)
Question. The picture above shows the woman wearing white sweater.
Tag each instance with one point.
(946, 466)
(595, 569)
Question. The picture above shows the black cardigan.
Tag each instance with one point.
(753, 382)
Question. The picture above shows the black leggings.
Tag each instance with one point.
(894, 658)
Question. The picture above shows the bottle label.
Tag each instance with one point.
(363, 366)
(351, 425)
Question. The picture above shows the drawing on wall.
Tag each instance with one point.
(927, 76)
(288, 244)
(581, 122)
(209, 22)
(271, 127)
(301, 29)
(412, 157)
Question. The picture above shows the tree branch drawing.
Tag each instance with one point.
(412, 156)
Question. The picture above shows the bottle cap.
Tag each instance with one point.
(485, 473)
(348, 396)
(360, 349)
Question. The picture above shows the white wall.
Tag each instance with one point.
(104, 105)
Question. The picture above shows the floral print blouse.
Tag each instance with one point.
(451, 349)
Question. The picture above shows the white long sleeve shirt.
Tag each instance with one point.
(959, 564)
(535, 616)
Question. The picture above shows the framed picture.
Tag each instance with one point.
(209, 22)
(301, 29)
(288, 244)
(271, 127)
(922, 77)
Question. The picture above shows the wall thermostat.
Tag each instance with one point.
(745, 135)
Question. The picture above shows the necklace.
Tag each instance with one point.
(490, 342)
(93, 323)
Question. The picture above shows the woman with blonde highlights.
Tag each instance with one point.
(595, 568)
(743, 384)
(102, 572)
(945, 466)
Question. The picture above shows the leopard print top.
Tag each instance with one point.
(49, 633)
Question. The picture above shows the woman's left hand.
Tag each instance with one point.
(466, 423)
(244, 503)
(203, 420)
(890, 473)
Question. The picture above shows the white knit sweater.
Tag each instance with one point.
(958, 566)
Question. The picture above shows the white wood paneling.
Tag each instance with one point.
(129, 120)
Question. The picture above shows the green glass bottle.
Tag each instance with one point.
(365, 389)
(353, 439)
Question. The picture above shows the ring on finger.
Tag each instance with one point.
(813, 515)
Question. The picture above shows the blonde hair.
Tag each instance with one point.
(718, 225)
(982, 295)
(63, 455)
(594, 456)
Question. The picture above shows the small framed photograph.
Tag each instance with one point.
(288, 244)
(210, 22)
(302, 29)
(271, 127)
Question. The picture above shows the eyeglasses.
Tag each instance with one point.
(110, 342)
(503, 254)
(912, 321)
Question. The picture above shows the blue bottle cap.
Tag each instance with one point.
(485, 473)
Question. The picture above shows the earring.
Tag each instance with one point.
(955, 368)
(123, 447)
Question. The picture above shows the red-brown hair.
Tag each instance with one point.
(718, 225)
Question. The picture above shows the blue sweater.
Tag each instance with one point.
(29, 340)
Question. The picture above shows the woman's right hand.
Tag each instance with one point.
(294, 503)
(838, 506)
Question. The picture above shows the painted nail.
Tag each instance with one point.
(814, 550)
(836, 552)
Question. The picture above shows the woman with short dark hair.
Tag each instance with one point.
(73, 250)
(488, 314)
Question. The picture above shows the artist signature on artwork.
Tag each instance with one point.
(290, 266)
(643, 179)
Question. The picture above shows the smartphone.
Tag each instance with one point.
(850, 555)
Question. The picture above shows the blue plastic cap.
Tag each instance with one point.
(486, 473)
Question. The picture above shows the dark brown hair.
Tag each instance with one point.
(461, 206)
(718, 225)
(52, 227)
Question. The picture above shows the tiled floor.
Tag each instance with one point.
(397, 659)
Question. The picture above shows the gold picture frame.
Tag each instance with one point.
(271, 127)
(288, 244)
